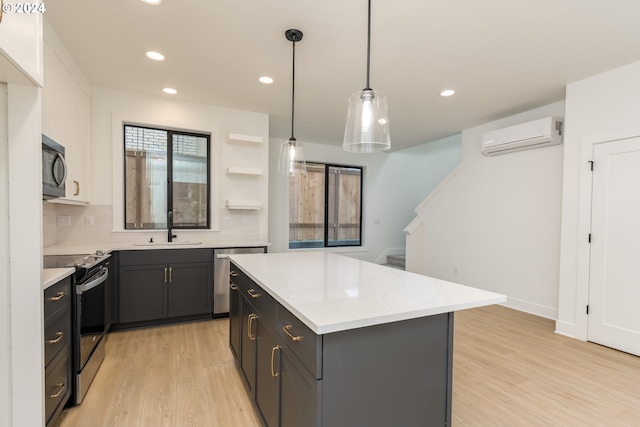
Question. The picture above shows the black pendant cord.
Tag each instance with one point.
(368, 44)
(293, 89)
(293, 36)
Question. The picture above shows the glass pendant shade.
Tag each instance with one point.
(291, 160)
(367, 128)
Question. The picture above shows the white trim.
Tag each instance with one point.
(531, 308)
(118, 119)
(414, 225)
(584, 224)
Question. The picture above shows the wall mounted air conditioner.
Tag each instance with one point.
(538, 133)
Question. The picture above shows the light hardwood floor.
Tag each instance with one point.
(510, 369)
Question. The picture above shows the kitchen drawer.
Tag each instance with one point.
(57, 385)
(57, 332)
(264, 304)
(301, 340)
(56, 296)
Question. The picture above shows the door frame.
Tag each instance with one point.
(584, 222)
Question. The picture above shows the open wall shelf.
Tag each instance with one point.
(237, 170)
(244, 204)
(233, 137)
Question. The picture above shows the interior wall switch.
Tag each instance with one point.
(88, 221)
(64, 220)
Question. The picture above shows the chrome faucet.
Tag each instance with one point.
(170, 235)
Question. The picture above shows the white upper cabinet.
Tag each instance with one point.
(66, 116)
(21, 47)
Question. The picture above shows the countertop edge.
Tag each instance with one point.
(51, 276)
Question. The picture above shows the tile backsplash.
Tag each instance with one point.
(93, 224)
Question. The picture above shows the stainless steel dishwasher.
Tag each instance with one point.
(221, 277)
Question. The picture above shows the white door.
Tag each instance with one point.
(614, 286)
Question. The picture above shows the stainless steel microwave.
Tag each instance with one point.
(54, 169)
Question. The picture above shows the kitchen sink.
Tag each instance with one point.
(168, 244)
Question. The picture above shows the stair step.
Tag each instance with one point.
(398, 261)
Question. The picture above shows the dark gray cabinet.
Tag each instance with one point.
(248, 336)
(235, 319)
(156, 285)
(57, 348)
(397, 373)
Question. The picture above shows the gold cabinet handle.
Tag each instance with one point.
(250, 320)
(233, 273)
(57, 339)
(77, 190)
(56, 395)
(286, 331)
(252, 293)
(170, 274)
(232, 286)
(58, 296)
(273, 357)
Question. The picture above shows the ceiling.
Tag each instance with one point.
(501, 56)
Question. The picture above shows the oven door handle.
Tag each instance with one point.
(96, 280)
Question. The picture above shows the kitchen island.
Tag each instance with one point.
(326, 340)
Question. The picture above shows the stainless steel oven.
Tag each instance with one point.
(91, 284)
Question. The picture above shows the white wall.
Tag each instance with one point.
(5, 320)
(25, 245)
(109, 108)
(394, 183)
(495, 225)
(599, 108)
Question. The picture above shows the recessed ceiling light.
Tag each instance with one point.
(169, 90)
(152, 2)
(156, 56)
(265, 80)
(447, 92)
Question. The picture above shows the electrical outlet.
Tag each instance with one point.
(244, 220)
(226, 221)
(64, 220)
(88, 221)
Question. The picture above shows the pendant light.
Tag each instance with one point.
(367, 128)
(291, 151)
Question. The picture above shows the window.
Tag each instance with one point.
(325, 207)
(165, 171)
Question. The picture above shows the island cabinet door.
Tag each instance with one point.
(300, 393)
(190, 288)
(249, 327)
(235, 320)
(268, 377)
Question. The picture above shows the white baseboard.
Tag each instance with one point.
(566, 329)
(531, 308)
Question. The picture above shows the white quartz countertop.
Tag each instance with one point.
(331, 293)
(51, 276)
(143, 245)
